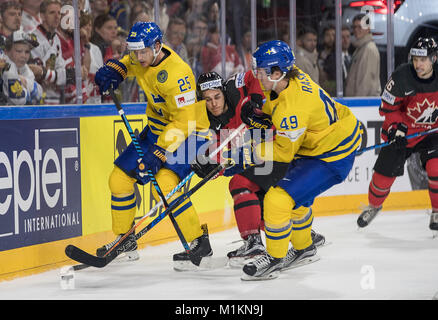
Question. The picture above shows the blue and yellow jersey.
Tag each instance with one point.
(172, 108)
(309, 124)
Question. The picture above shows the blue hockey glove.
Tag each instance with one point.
(153, 159)
(397, 136)
(111, 74)
(254, 117)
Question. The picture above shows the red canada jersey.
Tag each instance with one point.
(237, 90)
(411, 100)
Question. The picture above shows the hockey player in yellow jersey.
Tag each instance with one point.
(317, 136)
(175, 121)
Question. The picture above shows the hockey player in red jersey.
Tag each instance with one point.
(409, 106)
(224, 103)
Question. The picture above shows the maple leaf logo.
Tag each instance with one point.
(424, 113)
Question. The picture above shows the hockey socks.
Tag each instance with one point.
(247, 207)
(379, 189)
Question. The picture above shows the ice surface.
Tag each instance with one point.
(395, 257)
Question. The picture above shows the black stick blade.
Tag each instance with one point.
(81, 256)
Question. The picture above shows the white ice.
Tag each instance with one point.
(395, 257)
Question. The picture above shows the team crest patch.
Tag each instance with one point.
(162, 76)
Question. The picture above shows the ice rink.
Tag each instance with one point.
(393, 258)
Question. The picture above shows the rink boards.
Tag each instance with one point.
(54, 168)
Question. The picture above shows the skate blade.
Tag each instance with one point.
(207, 263)
(303, 262)
(326, 243)
(271, 276)
(239, 262)
(434, 234)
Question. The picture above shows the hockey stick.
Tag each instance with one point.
(81, 256)
(378, 146)
(85, 258)
(149, 172)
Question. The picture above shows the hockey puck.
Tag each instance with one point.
(67, 280)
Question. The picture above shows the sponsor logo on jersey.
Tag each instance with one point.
(185, 99)
(388, 97)
(424, 113)
(240, 80)
(292, 135)
(162, 76)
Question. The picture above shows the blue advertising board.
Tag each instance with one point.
(40, 181)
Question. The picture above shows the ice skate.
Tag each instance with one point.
(200, 251)
(367, 215)
(433, 225)
(265, 267)
(129, 245)
(296, 258)
(252, 248)
(317, 238)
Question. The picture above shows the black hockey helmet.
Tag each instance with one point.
(424, 47)
(209, 80)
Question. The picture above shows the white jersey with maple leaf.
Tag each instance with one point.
(411, 100)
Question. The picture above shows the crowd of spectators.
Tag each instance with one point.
(360, 58)
(37, 63)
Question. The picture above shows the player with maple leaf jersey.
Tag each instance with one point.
(409, 105)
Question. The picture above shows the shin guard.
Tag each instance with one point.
(278, 206)
(185, 215)
(123, 201)
(247, 207)
(302, 219)
(432, 173)
(379, 189)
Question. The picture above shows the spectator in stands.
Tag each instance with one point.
(213, 14)
(196, 39)
(92, 59)
(31, 15)
(306, 54)
(10, 14)
(143, 15)
(163, 16)
(104, 33)
(119, 45)
(246, 50)
(99, 7)
(120, 10)
(211, 56)
(48, 53)
(194, 11)
(140, 7)
(346, 52)
(174, 38)
(10, 21)
(364, 76)
(19, 83)
(327, 61)
(66, 37)
(3, 65)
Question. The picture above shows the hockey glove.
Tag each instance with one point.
(202, 166)
(111, 74)
(254, 117)
(153, 159)
(397, 136)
